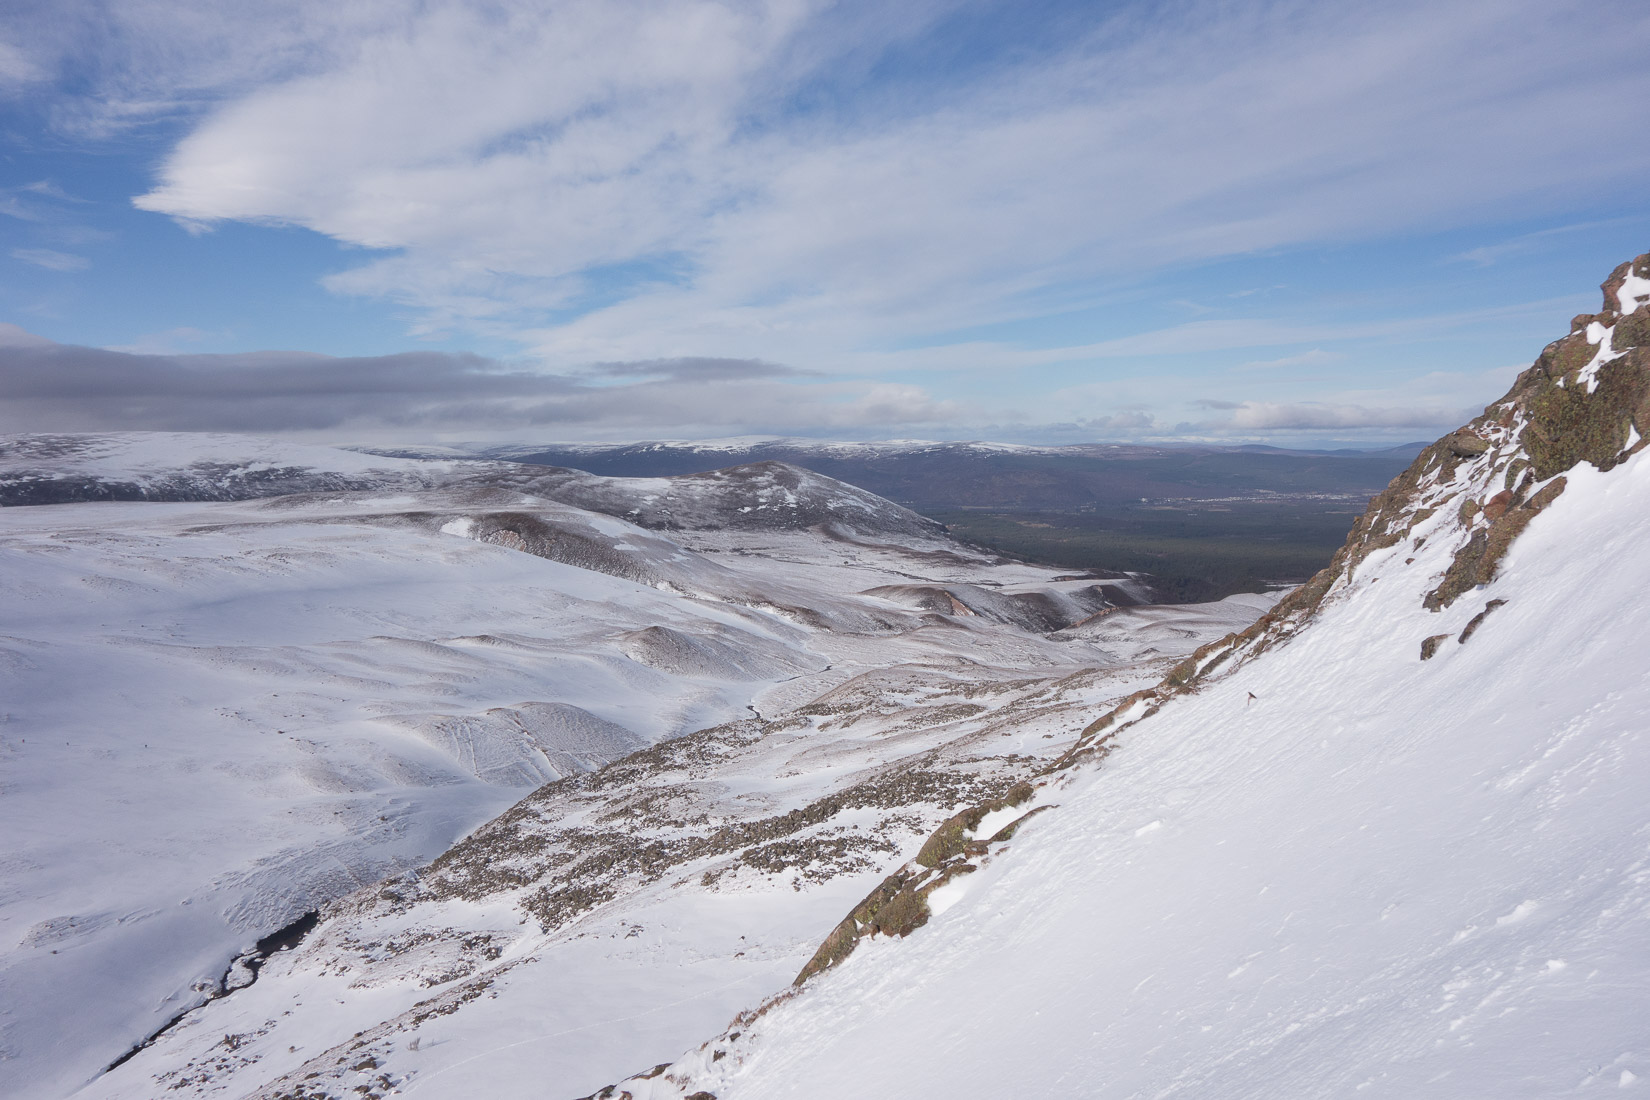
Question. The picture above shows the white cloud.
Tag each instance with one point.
(894, 404)
(1485, 255)
(138, 60)
(634, 162)
(1316, 357)
(15, 67)
(1254, 416)
(162, 343)
(51, 259)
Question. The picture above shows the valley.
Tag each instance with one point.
(1205, 521)
(746, 695)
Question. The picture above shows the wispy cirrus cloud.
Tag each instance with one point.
(1315, 357)
(645, 178)
(51, 259)
(1524, 243)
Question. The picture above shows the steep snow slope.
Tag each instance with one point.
(1391, 841)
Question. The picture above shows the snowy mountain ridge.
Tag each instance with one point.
(1507, 822)
(761, 446)
(180, 466)
(937, 475)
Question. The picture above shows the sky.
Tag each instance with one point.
(1303, 224)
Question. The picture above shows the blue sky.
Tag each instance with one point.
(1297, 223)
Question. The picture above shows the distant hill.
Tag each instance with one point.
(929, 476)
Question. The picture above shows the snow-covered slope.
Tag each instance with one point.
(218, 716)
(758, 496)
(180, 466)
(1392, 840)
(55, 469)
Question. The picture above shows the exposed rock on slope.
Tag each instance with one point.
(1583, 400)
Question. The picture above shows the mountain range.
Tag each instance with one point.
(945, 475)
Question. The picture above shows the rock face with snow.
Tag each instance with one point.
(1387, 841)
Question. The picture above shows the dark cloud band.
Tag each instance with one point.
(57, 387)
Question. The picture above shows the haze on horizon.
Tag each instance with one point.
(1285, 222)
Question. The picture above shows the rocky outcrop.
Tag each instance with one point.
(1585, 399)
(899, 904)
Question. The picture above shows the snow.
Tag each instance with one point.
(217, 716)
(1633, 293)
(138, 455)
(1384, 877)
(1138, 633)
(1599, 334)
(650, 972)
(213, 721)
